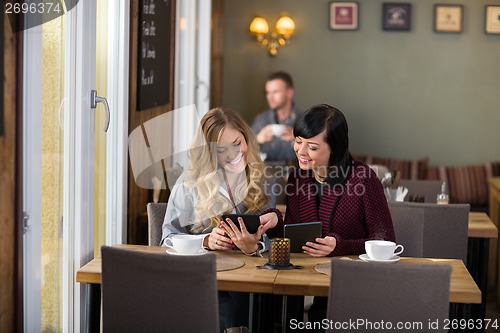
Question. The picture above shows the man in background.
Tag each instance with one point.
(276, 142)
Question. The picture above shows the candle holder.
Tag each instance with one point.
(279, 254)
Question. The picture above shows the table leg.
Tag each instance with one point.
(459, 311)
(93, 312)
(262, 313)
(292, 308)
(272, 313)
(477, 264)
(250, 312)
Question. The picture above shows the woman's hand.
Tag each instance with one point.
(269, 220)
(322, 247)
(244, 240)
(217, 240)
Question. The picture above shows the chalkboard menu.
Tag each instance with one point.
(154, 52)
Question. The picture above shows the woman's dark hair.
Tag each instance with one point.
(324, 117)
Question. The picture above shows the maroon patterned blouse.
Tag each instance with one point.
(361, 212)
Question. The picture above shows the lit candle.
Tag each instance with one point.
(279, 252)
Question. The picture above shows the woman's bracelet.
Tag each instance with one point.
(258, 252)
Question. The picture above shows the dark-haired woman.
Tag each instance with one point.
(329, 186)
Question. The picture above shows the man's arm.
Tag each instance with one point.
(275, 148)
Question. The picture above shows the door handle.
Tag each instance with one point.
(199, 84)
(94, 99)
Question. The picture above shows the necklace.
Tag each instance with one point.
(229, 191)
(319, 179)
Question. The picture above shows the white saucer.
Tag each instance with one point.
(199, 253)
(365, 257)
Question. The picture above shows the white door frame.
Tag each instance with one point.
(32, 183)
(77, 165)
(117, 140)
(117, 137)
(192, 71)
(204, 17)
(78, 162)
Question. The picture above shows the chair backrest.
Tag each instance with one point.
(152, 292)
(156, 215)
(393, 293)
(428, 188)
(408, 225)
(431, 230)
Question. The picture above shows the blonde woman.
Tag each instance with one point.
(226, 175)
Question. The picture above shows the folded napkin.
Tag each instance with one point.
(395, 194)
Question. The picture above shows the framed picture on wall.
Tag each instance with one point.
(448, 18)
(492, 20)
(344, 15)
(396, 16)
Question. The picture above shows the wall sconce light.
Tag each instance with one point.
(284, 29)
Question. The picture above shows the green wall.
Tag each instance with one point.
(405, 94)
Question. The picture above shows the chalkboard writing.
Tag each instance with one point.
(153, 56)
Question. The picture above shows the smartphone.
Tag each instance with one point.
(252, 221)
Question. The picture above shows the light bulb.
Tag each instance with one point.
(259, 26)
(285, 25)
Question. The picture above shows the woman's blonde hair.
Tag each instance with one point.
(205, 175)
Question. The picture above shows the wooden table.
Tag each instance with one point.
(494, 184)
(464, 292)
(249, 278)
(481, 230)
(481, 226)
(246, 278)
(307, 281)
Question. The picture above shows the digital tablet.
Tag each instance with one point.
(300, 233)
(252, 221)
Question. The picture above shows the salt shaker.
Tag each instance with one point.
(443, 198)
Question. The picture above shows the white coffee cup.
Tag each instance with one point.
(185, 244)
(382, 250)
(277, 129)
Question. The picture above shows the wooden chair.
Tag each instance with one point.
(155, 292)
(156, 215)
(394, 293)
(431, 230)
